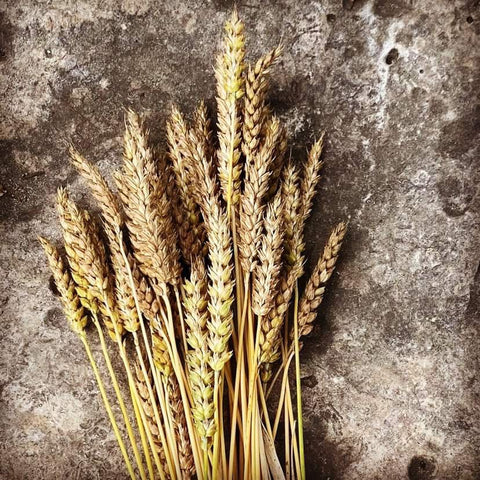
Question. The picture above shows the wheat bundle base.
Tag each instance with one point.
(190, 278)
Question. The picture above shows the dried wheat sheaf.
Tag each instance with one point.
(195, 280)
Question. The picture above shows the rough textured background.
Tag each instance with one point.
(391, 373)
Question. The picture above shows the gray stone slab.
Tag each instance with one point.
(391, 372)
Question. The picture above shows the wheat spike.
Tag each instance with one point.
(112, 226)
(310, 178)
(87, 259)
(220, 271)
(257, 174)
(230, 88)
(74, 311)
(203, 130)
(187, 464)
(198, 358)
(191, 231)
(313, 294)
(146, 405)
(291, 213)
(149, 220)
(278, 163)
(266, 273)
(292, 267)
(256, 85)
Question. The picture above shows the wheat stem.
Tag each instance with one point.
(299, 387)
(143, 437)
(118, 393)
(108, 408)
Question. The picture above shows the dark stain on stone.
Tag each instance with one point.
(397, 332)
(6, 37)
(422, 468)
(458, 136)
(456, 195)
(310, 381)
(473, 309)
(326, 460)
(389, 9)
(226, 5)
(23, 189)
(392, 56)
(55, 318)
(348, 4)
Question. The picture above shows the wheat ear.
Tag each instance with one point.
(256, 85)
(310, 178)
(191, 231)
(313, 294)
(146, 206)
(113, 222)
(198, 356)
(256, 186)
(87, 259)
(230, 88)
(267, 271)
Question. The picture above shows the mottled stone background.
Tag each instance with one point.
(391, 373)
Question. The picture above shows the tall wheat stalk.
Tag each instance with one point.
(195, 280)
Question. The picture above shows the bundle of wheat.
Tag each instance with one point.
(195, 281)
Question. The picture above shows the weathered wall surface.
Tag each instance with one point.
(392, 385)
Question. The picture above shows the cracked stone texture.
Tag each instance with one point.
(391, 386)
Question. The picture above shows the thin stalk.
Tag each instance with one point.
(166, 437)
(150, 361)
(240, 362)
(121, 403)
(299, 388)
(128, 370)
(216, 438)
(282, 396)
(186, 396)
(108, 408)
(294, 445)
(286, 425)
(222, 436)
(182, 321)
(252, 406)
(143, 437)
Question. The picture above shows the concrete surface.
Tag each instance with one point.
(391, 372)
